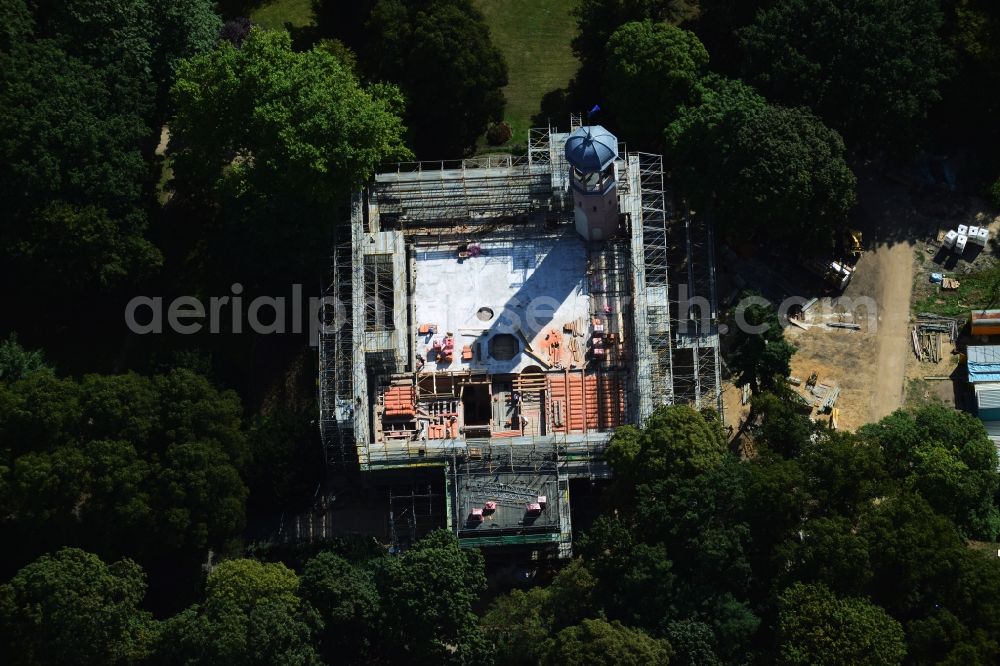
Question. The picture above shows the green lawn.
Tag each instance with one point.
(534, 36)
(275, 13)
(975, 291)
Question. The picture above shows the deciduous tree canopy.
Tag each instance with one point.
(72, 608)
(869, 68)
(815, 627)
(652, 68)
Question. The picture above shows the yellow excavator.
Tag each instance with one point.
(852, 243)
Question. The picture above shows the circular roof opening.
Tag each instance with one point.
(484, 314)
(504, 347)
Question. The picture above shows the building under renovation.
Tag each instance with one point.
(502, 316)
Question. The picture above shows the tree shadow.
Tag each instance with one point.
(230, 9)
(577, 96)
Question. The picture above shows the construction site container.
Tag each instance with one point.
(960, 243)
(949, 239)
(983, 236)
(988, 401)
(985, 322)
(963, 230)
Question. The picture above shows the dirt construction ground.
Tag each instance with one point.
(868, 365)
(875, 367)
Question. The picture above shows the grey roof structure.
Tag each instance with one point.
(591, 148)
(983, 363)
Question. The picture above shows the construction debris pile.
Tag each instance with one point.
(926, 335)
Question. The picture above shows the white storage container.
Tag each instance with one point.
(960, 243)
(963, 230)
(983, 237)
(949, 239)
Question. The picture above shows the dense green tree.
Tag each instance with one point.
(596, 20)
(286, 459)
(271, 142)
(434, 50)
(774, 511)
(251, 615)
(783, 427)
(16, 362)
(652, 68)
(599, 642)
(759, 168)
(816, 627)
(147, 466)
(759, 355)
(427, 596)
(267, 118)
(200, 499)
(946, 456)
(348, 603)
(700, 521)
(634, 582)
(676, 440)
(183, 28)
(702, 137)
(692, 643)
(39, 413)
(519, 624)
(72, 608)
(18, 24)
(869, 68)
(102, 33)
(71, 171)
(119, 495)
(844, 475)
(571, 595)
(440, 50)
(828, 551)
(63, 242)
(913, 553)
(787, 178)
(192, 409)
(134, 43)
(243, 583)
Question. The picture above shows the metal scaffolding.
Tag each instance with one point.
(655, 260)
(478, 188)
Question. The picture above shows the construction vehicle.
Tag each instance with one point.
(836, 275)
(852, 244)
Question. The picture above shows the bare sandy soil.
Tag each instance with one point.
(868, 365)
